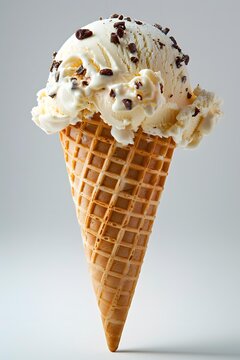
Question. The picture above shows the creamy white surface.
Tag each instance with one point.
(160, 105)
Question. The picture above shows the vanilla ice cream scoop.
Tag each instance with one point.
(134, 75)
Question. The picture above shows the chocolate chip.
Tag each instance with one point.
(184, 79)
(100, 18)
(81, 71)
(128, 18)
(171, 95)
(134, 59)
(84, 83)
(196, 111)
(120, 32)
(120, 24)
(139, 97)
(132, 48)
(120, 17)
(138, 22)
(114, 39)
(82, 34)
(57, 75)
(112, 93)
(127, 103)
(138, 84)
(106, 72)
(189, 95)
(161, 88)
(114, 16)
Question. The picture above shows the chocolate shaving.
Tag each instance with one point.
(120, 24)
(112, 93)
(120, 32)
(82, 34)
(161, 44)
(134, 59)
(166, 30)
(138, 84)
(128, 18)
(120, 17)
(114, 39)
(114, 16)
(84, 83)
(161, 88)
(132, 48)
(81, 70)
(196, 111)
(106, 72)
(186, 59)
(52, 95)
(138, 22)
(57, 75)
(189, 95)
(139, 97)
(173, 40)
(127, 103)
(184, 79)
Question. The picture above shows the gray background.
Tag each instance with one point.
(187, 300)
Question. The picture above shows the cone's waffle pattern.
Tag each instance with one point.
(116, 190)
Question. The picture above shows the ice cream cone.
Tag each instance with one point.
(116, 191)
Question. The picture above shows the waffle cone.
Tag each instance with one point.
(116, 191)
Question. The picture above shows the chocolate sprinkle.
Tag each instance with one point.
(134, 59)
(57, 75)
(138, 84)
(186, 59)
(52, 95)
(112, 93)
(81, 71)
(132, 48)
(106, 72)
(161, 88)
(114, 16)
(184, 79)
(196, 111)
(82, 34)
(138, 22)
(120, 32)
(120, 24)
(114, 39)
(127, 103)
(189, 95)
(84, 83)
(139, 97)
(120, 17)
(159, 27)
(173, 40)
(74, 83)
(128, 18)
(54, 54)
(171, 95)
(101, 18)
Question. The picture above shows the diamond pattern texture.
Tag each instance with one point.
(116, 190)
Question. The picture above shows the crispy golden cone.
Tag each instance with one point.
(116, 191)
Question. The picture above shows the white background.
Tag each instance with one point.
(187, 302)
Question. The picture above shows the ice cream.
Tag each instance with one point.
(134, 75)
